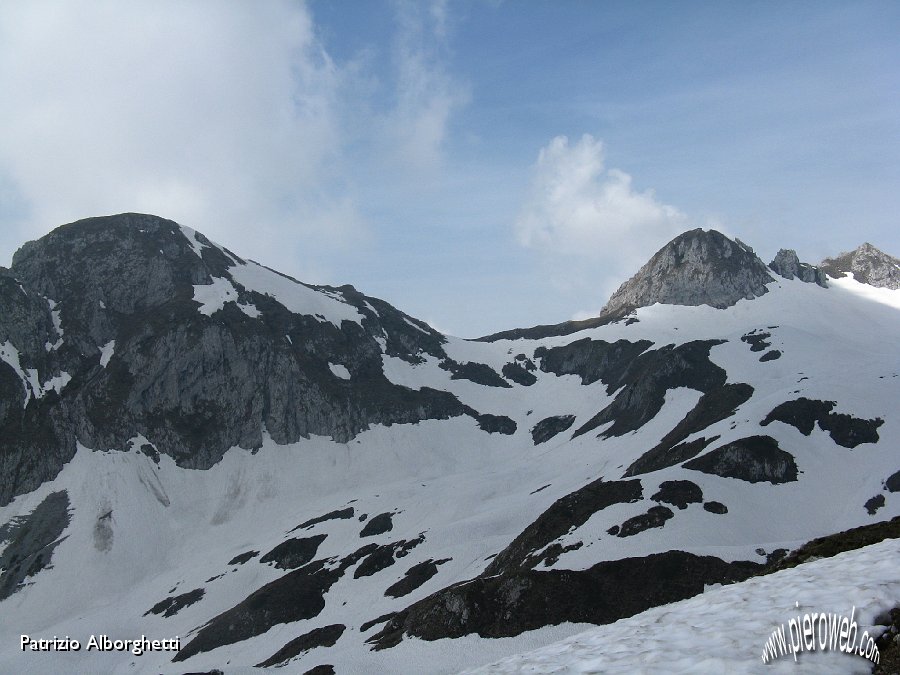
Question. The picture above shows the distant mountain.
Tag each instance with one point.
(696, 268)
(193, 444)
(868, 265)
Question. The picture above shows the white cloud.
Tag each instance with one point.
(426, 93)
(590, 225)
(221, 115)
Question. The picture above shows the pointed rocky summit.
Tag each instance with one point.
(696, 268)
(867, 264)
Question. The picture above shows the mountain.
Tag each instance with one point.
(194, 445)
(866, 264)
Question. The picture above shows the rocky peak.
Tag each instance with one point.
(867, 264)
(788, 265)
(696, 268)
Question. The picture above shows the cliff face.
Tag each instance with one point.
(696, 268)
(120, 329)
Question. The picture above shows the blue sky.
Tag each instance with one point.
(481, 165)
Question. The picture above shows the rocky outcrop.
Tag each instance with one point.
(696, 268)
(103, 311)
(788, 265)
(867, 264)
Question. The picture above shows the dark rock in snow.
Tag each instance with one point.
(893, 482)
(564, 514)
(293, 553)
(340, 514)
(172, 605)
(374, 622)
(770, 355)
(518, 374)
(241, 558)
(324, 669)
(30, 541)
(753, 459)
(549, 427)
(845, 430)
(715, 507)
(326, 636)
(479, 373)
(496, 424)
(592, 360)
(679, 493)
(662, 457)
(382, 557)
(646, 380)
(415, 576)
(656, 516)
(508, 604)
(378, 525)
(758, 341)
(872, 505)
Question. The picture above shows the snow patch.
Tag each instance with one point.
(212, 297)
(106, 352)
(339, 371)
(295, 296)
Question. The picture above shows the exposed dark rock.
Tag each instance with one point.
(695, 268)
(771, 355)
(550, 330)
(788, 265)
(679, 493)
(374, 622)
(194, 385)
(848, 540)
(564, 514)
(324, 669)
(31, 541)
(297, 595)
(872, 505)
(753, 459)
(415, 576)
(868, 266)
(496, 424)
(614, 530)
(551, 555)
(479, 373)
(378, 525)
(646, 380)
(326, 636)
(758, 341)
(241, 558)
(383, 557)
(150, 452)
(714, 406)
(519, 374)
(592, 360)
(549, 427)
(509, 604)
(293, 553)
(340, 514)
(660, 457)
(845, 430)
(172, 605)
(715, 507)
(656, 516)
(893, 482)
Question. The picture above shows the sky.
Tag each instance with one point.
(481, 165)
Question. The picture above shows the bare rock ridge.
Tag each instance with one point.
(788, 265)
(867, 264)
(696, 268)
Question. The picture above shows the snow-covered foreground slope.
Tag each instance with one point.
(379, 472)
(725, 629)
